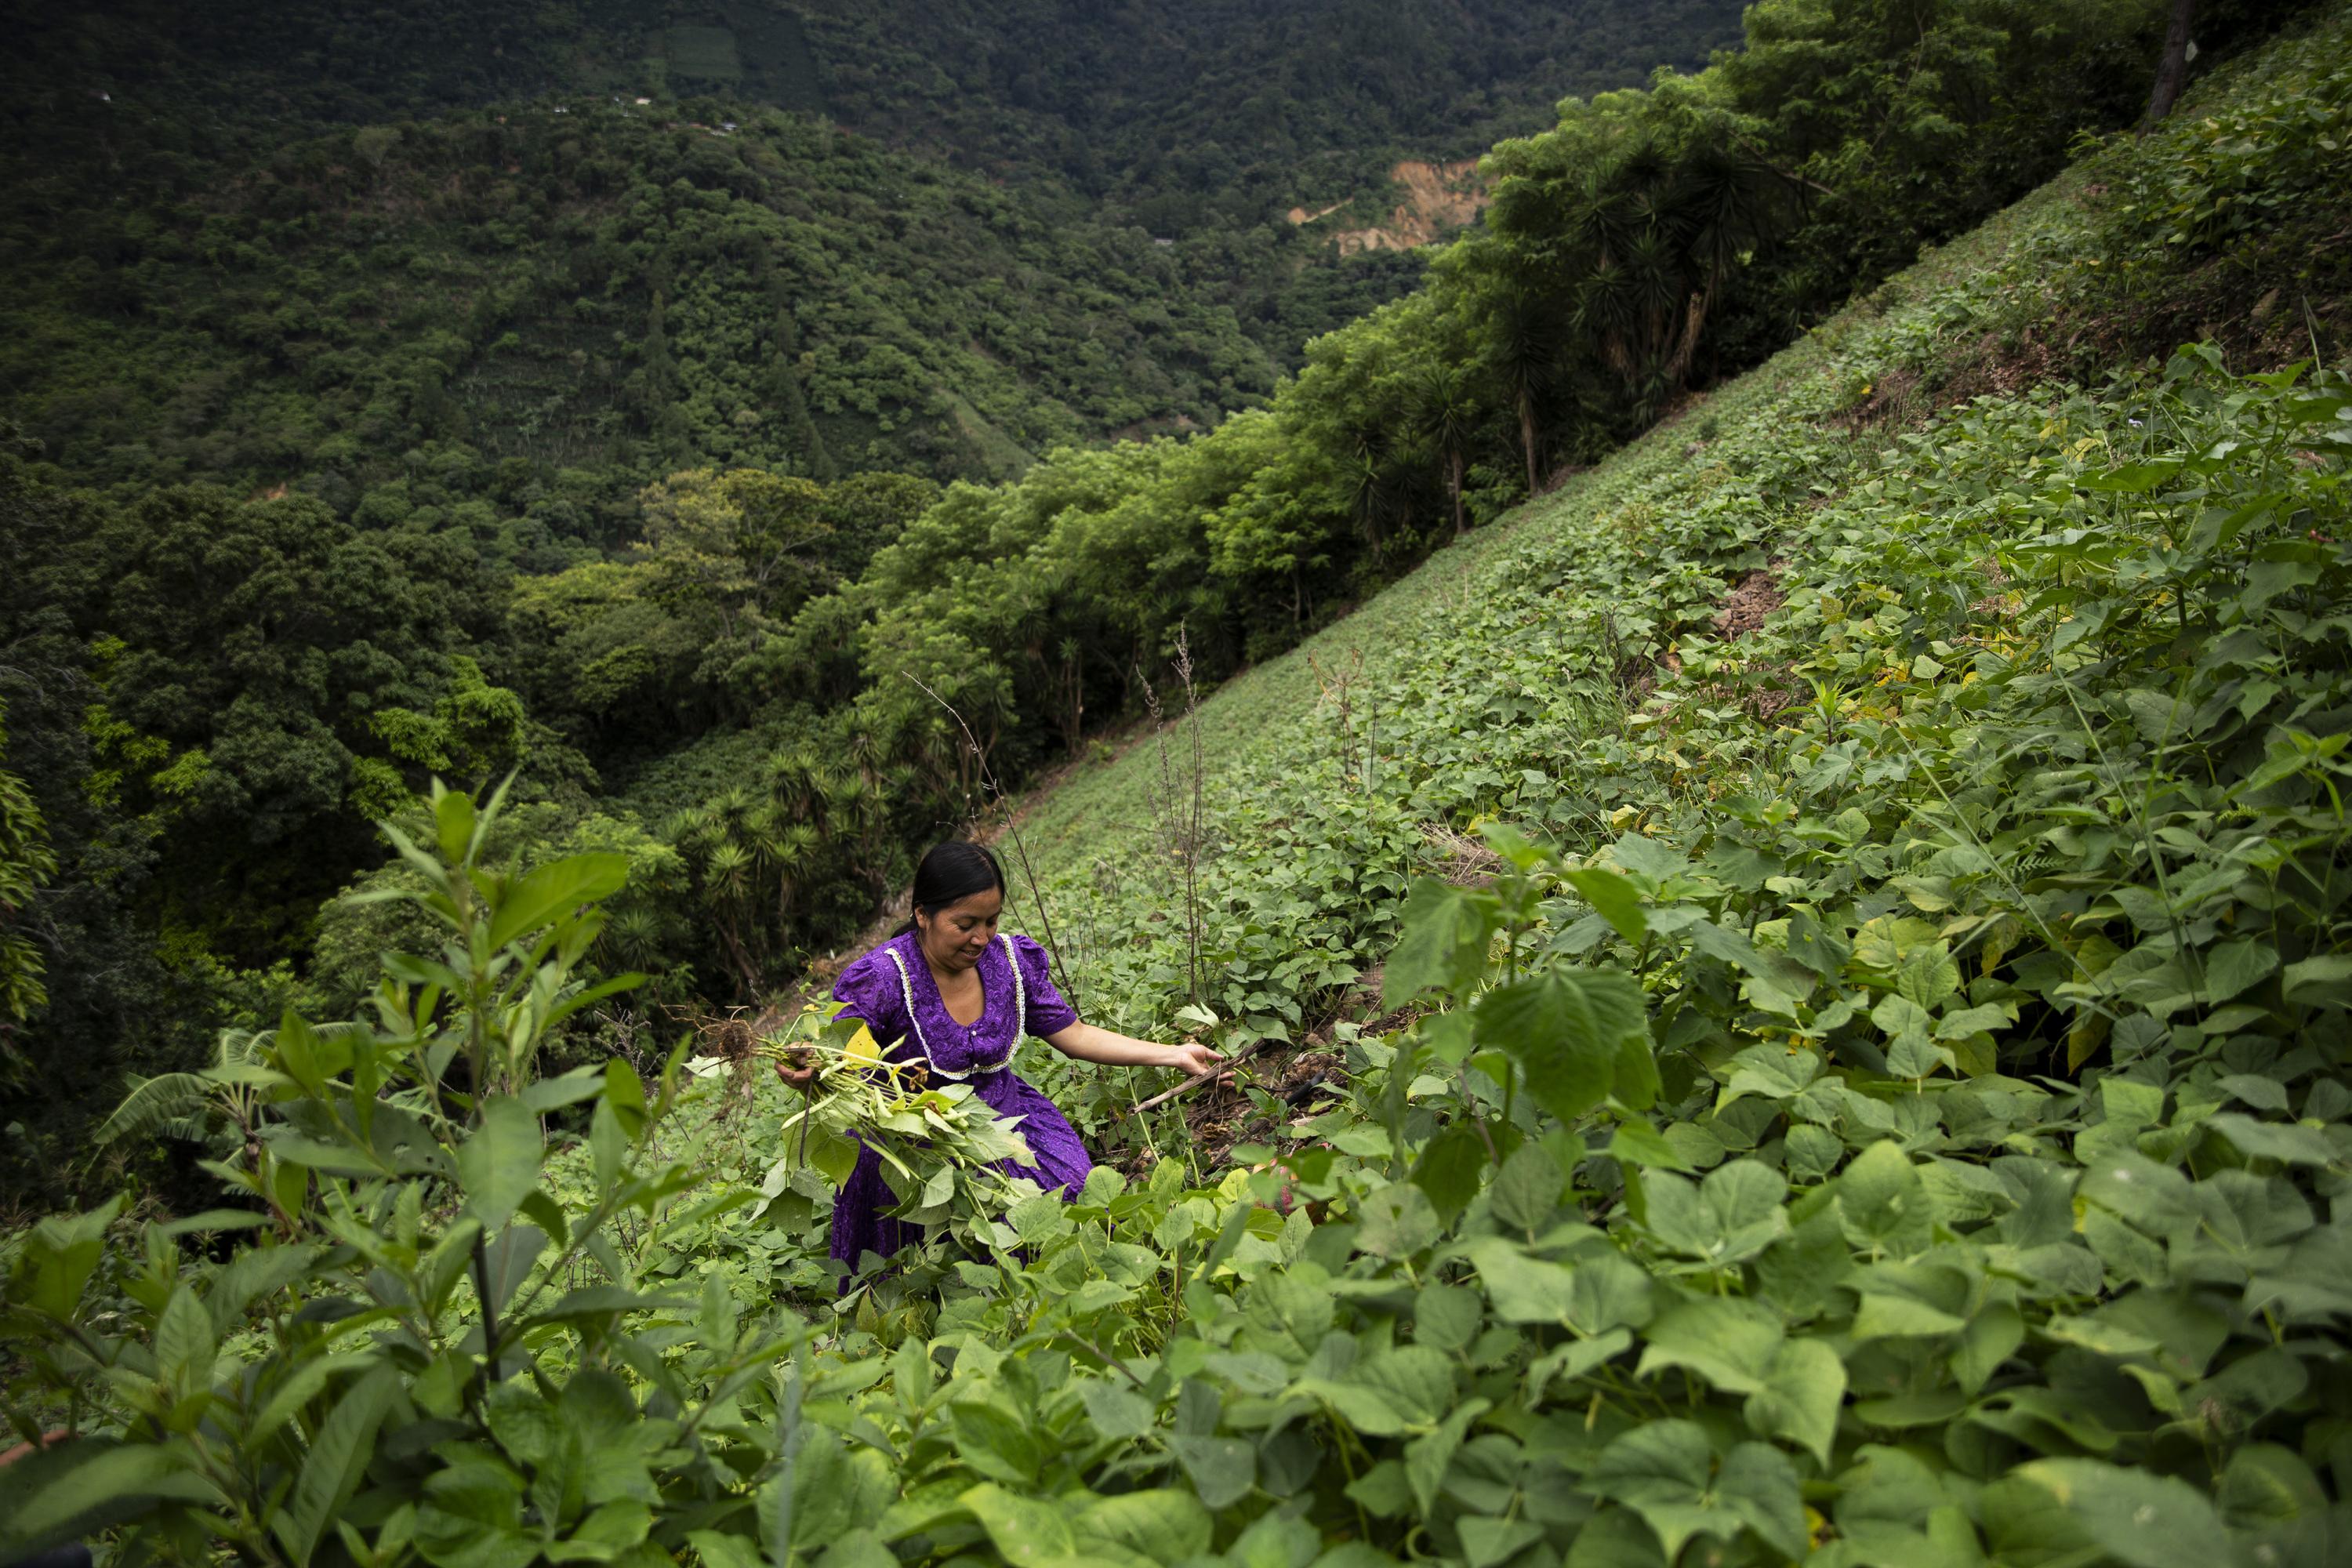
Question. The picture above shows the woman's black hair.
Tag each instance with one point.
(950, 872)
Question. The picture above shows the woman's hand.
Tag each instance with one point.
(1198, 1060)
(799, 1069)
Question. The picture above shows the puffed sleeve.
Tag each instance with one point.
(1049, 1012)
(869, 988)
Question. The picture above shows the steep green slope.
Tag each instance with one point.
(1564, 672)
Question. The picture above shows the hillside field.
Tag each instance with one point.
(1821, 956)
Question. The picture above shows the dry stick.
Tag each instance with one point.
(1189, 1084)
(1193, 829)
(1028, 873)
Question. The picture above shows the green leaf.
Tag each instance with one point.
(1427, 1457)
(1117, 1412)
(540, 897)
(1666, 1471)
(184, 1340)
(63, 1251)
(2325, 981)
(1447, 1317)
(1396, 1221)
(1488, 1541)
(1728, 1219)
(1728, 1340)
(1164, 1525)
(1222, 1470)
(2132, 478)
(60, 1494)
(1024, 1530)
(2142, 1520)
(498, 1163)
(1614, 899)
(2236, 967)
(1882, 1202)
(2290, 1142)
(1523, 1289)
(1443, 945)
(1448, 1169)
(1615, 1538)
(337, 1457)
(1803, 1389)
(1414, 1380)
(1526, 1189)
(1565, 1028)
(453, 820)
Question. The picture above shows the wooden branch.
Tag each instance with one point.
(1187, 1086)
(1222, 1075)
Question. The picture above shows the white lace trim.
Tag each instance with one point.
(915, 1019)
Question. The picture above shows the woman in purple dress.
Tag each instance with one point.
(947, 991)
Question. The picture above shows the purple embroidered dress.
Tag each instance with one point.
(892, 990)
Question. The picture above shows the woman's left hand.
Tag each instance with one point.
(1198, 1060)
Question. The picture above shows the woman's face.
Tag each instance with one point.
(954, 938)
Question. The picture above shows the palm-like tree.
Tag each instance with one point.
(1447, 416)
(1526, 351)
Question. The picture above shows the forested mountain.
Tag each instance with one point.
(365, 432)
(944, 239)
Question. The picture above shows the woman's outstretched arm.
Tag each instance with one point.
(1089, 1044)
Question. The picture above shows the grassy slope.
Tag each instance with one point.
(1524, 646)
(1274, 722)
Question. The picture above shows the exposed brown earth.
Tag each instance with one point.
(1439, 198)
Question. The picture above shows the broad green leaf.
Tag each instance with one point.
(1488, 1541)
(1446, 1317)
(1026, 1530)
(1449, 1170)
(1426, 1458)
(2267, 1484)
(1614, 899)
(1882, 1202)
(63, 1251)
(1615, 1538)
(1522, 1290)
(1396, 1221)
(184, 1340)
(2154, 1197)
(2288, 1142)
(1991, 1337)
(1803, 1390)
(2325, 981)
(1526, 1190)
(2142, 1520)
(1117, 1412)
(1564, 1028)
(1730, 1216)
(1666, 1472)
(1164, 1525)
(498, 1163)
(1222, 1469)
(2236, 967)
(1443, 945)
(1727, 1340)
(337, 1459)
(1414, 1380)
(542, 896)
(57, 1494)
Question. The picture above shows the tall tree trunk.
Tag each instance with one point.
(2172, 65)
(1528, 438)
(1460, 527)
